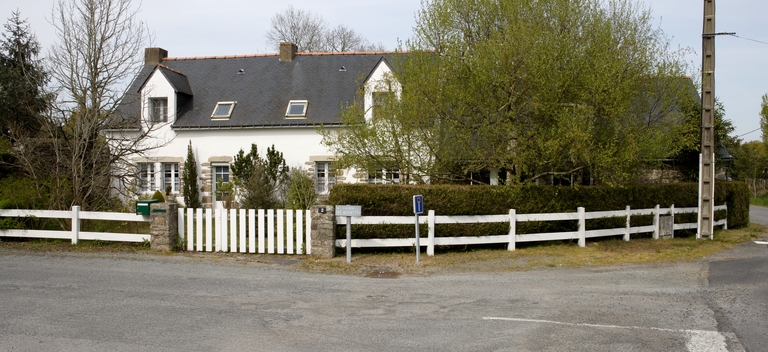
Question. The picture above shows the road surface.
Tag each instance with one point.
(82, 302)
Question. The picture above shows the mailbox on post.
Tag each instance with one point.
(142, 206)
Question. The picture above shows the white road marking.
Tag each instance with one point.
(698, 340)
(761, 242)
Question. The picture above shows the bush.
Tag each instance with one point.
(301, 190)
(158, 196)
(737, 197)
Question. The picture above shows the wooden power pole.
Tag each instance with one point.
(707, 157)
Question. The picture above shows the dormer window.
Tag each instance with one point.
(159, 109)
(223, 109)
(297, 108)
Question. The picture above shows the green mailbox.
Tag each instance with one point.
(142, 206)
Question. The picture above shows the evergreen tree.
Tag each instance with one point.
(261, 183)
(191, 191)
(22, 79)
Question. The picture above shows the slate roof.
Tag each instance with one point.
(262, 86)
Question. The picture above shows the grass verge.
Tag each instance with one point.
(452, 259)
(83, 246)
(760, 201)
(554, 254)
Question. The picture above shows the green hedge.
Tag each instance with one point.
(396, 200)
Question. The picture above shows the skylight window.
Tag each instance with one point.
(223, 109)
(297, 108)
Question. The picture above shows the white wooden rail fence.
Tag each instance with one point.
(75, 215)
(276, 231)
(288, 232)
(511, 238)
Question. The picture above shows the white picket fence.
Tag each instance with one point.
(274, 231)
(75, 215)
(511, 238)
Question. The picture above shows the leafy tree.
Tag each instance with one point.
(191, 190)
(260, 183)
(689, 138)
(536, 87)
(309, 31)
(750, 160)
(764, 118)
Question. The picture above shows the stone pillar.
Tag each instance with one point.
(163, 226)
(323, 231)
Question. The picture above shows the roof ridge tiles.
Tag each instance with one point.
(319, 53)
(218, 57)
(172, 70)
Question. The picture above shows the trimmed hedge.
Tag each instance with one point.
(396, 200)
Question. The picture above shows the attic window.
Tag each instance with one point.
(223, 109)
(297, 108)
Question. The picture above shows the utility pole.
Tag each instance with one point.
(707, 156)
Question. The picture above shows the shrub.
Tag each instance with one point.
(301, 190)
(158, 196)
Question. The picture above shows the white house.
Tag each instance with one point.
(225, 103)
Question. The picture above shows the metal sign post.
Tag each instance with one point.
(418, 208)
(349, 211)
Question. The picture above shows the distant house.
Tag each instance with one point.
(225, 103)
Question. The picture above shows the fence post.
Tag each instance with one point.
(300, 232)
(308, 227)
(180, 225)
(512, 229)
(217, 228)
(208, 229)
(252, 230)
(243, 232)
(672, 213)
(626, 232)
(725, 224)
(280, 231)
(431, 235)
(190, 230)
(656, 214)
(582, 227)
(75, 223)
(262, 226)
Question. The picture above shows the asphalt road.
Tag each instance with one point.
(159, 303)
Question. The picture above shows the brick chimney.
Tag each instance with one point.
(287, 51)
(154, 56)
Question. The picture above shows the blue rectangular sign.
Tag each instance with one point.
(418, 204)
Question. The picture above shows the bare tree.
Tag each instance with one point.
(73, 161)
(343, 39)
(303, 28)
(309, 32)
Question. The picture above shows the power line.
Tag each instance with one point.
(755, 130)
(732, 34)
(754, 40)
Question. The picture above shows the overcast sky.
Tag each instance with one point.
(228, 27)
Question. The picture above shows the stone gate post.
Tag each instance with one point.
(323, 231)
(163, 226)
